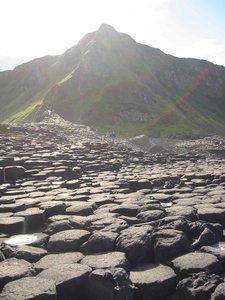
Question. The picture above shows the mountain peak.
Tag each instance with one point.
(106, 28)
(107, 31)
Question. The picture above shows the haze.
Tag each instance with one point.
(34, 28)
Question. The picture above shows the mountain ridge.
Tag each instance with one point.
(111, 82)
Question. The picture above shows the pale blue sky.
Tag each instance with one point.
(184, 28)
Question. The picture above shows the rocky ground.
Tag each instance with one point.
(89, 217)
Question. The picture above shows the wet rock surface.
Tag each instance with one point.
(86, 216)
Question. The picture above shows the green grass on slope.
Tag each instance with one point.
(25, 114)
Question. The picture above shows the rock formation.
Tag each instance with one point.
(86, 216)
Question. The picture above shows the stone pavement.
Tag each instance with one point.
(84, 217)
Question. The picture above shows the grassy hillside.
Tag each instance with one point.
(113, 83)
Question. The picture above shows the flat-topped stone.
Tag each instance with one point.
(151, 215)
(12, 269)
(182, 211)
(34, 218)
(29, 288)
(81, 209)
(12, 225)
(154, 281)
(67, 240)
(70, 280)
(106, 260)
(126, 209)
(212, 214)
(196, 262)
(12, 207)
(28, 253)
(62, 259)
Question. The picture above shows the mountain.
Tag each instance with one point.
(111, 82)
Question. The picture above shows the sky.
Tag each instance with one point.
(184, 28)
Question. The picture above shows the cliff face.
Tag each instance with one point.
(109, 81)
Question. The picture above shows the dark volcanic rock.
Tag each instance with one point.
(14, 172)
(100, 242)
(183, 211)
(196, 262)
(12, 269)
(127, 209)
(153, 281)
(212, 215)
(62, 259)
(106, 260)
(197, 286)
(110, 284)
(57, 226)
(28, 253)
(217, 249)
(67, 240)
(169, 244)
(81, 209)
(137, 243)
(219, 293)
(12, 225)
(151, 215)
(207, 237)
(177, 223)
(70, 280)
(53, 208)
(34, 218)
(197, 228)
(29, 288)
(86, 212)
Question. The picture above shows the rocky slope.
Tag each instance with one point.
(82, 216)
(110, 81)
